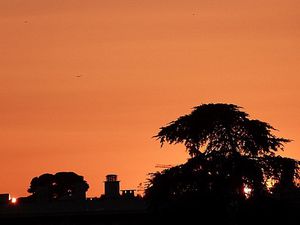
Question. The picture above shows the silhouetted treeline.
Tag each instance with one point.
(233, 176)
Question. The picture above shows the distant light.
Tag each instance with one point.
(14, 200)
(270, 183)
(247, 191)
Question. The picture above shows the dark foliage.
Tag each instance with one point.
(224, 128)
(231, 154)
(62, 185)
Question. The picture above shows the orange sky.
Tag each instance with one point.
(143, 64)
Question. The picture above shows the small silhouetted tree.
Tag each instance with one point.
(41, 187)
(60, 186)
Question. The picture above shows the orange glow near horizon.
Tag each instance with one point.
(86, 84)
(13, 200)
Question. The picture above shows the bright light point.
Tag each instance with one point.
(14, 200)
(247, 191)
(270, 183)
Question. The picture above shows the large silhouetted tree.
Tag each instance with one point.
(221, 128)
(233, 159)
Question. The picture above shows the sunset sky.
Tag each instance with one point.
(85, 84)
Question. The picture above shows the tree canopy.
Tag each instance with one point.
(224, 128)
(233, 163)
(62, 185)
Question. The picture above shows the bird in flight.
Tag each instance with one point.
(78, 76)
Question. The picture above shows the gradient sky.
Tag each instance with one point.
(142, 64)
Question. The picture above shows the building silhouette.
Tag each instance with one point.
(112, 186)
(115, 206)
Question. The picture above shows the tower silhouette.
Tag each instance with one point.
(112, 186)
